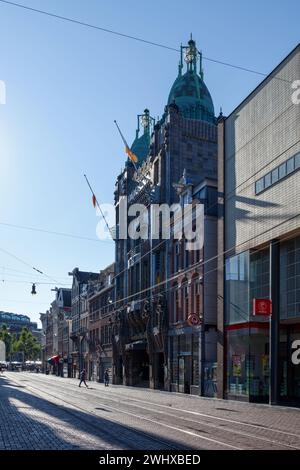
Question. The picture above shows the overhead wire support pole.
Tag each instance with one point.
(99, 207)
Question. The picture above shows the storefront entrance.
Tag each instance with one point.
(140, 368)
(184, 367)
(160, 373)
(289, 373)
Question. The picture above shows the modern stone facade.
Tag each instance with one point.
(259, 226)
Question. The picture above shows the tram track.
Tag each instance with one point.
(109, 399)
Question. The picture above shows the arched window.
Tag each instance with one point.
(194, 298)
(176, 303)
(185, 299)
(198, 306)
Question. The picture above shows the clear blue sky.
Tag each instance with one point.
(65, 86)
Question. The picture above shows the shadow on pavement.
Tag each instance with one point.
(40, 435)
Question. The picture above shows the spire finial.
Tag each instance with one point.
(179, 69)
(220, 117)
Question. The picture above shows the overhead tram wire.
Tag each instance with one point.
(159, 244)
(164, 240)
(25, 275)
(134, 38)
(173, 288)
(27, 264)
(13, 275)
(129, 37)
(52, 232)
(24, 302)
(30, 282)
(202, 263)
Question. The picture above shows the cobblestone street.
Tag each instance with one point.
(48, 412)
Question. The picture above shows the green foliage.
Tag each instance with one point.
(29, 345)
(6, 337)
(26, 343)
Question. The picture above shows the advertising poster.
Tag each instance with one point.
(236, 366)
(265, 365)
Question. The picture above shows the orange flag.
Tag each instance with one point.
(131, 155)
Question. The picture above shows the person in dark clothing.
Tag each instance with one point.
(106, 378)
(83, 378)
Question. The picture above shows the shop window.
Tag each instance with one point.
(248, 364)
(259, 276)
(195, 356)
(290, 279)
(237, 289)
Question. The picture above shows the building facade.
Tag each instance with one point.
(55, 324)
(192, 298)
(259, 241)
(182, 142)
(79, 316)
(15, 322)
(101, 306)
(47, 343)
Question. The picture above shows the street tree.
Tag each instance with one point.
(28, 345)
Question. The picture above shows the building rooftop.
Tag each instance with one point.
(13, 317)
(189, 92)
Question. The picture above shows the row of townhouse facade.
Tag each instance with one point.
(56, 328)
(76, 328)
(175, 316)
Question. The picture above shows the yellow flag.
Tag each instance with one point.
(130, 154)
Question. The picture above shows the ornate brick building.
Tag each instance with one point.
(183, 141)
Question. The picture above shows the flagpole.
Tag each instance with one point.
(125, 143)
(101, 212)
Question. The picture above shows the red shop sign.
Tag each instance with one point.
(262, 307)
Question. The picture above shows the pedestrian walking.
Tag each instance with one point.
(106, 378)
(83, 378)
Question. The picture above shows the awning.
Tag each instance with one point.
(54, 359)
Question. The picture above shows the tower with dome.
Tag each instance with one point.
(177, 150)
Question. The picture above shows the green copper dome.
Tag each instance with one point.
(189, 91)
(141, 144)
